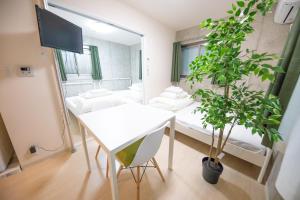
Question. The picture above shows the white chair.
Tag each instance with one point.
(142, 152)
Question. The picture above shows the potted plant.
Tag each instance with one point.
(227, 65)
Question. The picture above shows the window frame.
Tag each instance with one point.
(198, 44)
(71, 77)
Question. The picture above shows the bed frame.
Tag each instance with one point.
(261, 160)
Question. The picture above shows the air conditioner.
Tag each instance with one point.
(286, 11)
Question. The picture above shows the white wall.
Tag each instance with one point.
(158, 39)
(29, 105)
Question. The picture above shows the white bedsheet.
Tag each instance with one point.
(240, 136)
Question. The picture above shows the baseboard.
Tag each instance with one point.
(267, 192)
(65, 149)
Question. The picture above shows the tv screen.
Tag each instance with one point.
(56, 32)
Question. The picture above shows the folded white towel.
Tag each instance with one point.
(171, 104)
(84, 105)
(172, 95)
(174, 89)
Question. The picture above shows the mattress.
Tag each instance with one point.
(240, 136)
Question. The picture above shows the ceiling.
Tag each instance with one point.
(103, 32)
(181, 14)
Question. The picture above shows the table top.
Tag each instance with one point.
(117, 127)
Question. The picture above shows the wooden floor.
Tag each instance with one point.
(64, 177)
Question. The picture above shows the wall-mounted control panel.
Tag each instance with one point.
(26, 71)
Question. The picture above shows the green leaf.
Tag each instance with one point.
(273, 121)
(230, 12)
(278, 69)
(245, 12)
(252, 13)
(260, 6)
(240, 3)
(233, 7)
(238, 12)
(267, 66)
(256, 71)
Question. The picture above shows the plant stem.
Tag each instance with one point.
(221, 133)
(219, 146)
(212, 144)
(229, 132)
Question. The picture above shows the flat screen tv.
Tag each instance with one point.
(56, 32)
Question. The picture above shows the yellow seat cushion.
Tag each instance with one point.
(126, 156)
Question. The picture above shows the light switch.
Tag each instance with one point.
(26, 71)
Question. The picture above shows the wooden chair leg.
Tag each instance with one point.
(107, 167)
(98, 150)
(138, 183)
(119, 171)
(158, 169)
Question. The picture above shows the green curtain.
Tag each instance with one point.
(96, 68)
(176, 62)
(285, 83)
(140, 66)
(61, 64)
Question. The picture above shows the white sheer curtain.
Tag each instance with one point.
(79, 64)
(70, 62)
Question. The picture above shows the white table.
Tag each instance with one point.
(117, 127)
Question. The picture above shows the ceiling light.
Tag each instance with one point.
(100, 27)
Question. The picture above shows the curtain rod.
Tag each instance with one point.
(192, 42)
(194, 39)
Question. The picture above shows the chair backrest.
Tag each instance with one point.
(149, 147)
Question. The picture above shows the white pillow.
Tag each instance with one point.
(174, 89)
(84, 105)
(106, 102)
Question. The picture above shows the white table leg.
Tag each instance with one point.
(171, 142)
(83, 133)
(113, 176)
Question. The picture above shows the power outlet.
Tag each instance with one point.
(33, 149)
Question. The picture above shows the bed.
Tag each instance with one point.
(241, 143)
(79, 105)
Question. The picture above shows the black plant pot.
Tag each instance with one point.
(210, 171)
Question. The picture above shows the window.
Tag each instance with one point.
(78, 66)
(189, 53)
